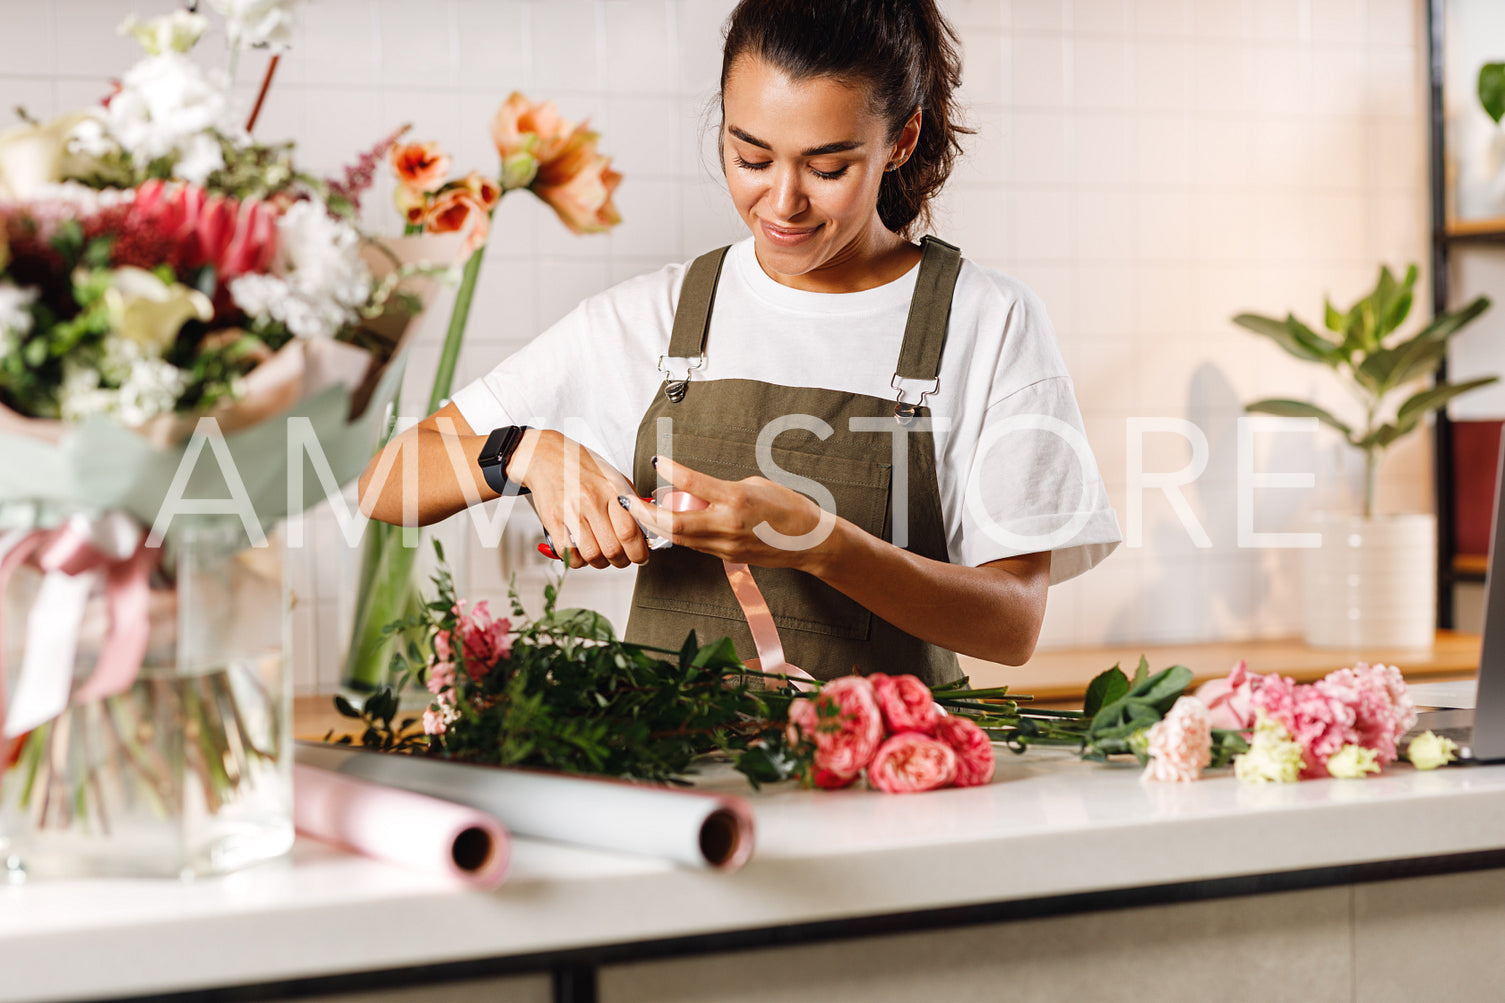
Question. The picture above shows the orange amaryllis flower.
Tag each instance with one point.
(412, 203)
(520, 126)
(422, 166)
(582, 200)
(486, 190)
(454, 209)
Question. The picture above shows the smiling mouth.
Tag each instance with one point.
(788, 234)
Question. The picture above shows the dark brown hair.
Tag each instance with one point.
(903, 50)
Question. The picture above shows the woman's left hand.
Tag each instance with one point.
(752, 521)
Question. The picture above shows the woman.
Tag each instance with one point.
(921, 527)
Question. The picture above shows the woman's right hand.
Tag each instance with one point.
(575, 494)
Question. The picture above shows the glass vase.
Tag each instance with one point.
(187, 771)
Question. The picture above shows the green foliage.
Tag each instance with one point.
(1359, 346)
(1492, 89)
(571, 696)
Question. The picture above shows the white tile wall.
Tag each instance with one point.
(1151, 166)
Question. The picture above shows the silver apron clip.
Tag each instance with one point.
(674, 389)
(904, 412)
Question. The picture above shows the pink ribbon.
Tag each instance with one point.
(72, 549)
(760, 621)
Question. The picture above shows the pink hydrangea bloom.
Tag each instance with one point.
(911, 762)
(973, 748)
(906, 703)
(846, 741)
(1231, 699)
(1180, 744)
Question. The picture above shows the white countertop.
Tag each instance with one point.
(1048, 826)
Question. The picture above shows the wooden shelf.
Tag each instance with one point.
(1476, 229)
(1470, 567)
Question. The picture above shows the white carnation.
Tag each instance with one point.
(318, 281)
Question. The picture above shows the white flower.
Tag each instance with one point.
(263, 23)
(165, 106)
(148, 386)
(15, 318)
(175, 32)
(1428, 751)
(149, 312)
(318, 280)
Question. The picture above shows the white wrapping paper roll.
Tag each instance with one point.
(400, 826)
(700, 829)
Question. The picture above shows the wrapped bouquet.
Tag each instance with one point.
(187, 319)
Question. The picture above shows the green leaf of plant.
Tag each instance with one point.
(1279, 332)
(1430, 400)
(1104, 689)
(1492, 89)
(1141, 671)
(1298, 409)
(1446, 325)
(1392, 367)
(1336, 322)
(1400, 306)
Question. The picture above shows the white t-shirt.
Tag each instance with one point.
(1003, 386)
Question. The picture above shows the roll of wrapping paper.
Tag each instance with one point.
(690, 827)
(400, 826)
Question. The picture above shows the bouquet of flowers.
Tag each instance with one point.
(564, 693)
(168, 283)
(1348, 724)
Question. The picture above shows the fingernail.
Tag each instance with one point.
(655, 462)
(622, 501)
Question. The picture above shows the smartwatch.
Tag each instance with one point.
(500, 445)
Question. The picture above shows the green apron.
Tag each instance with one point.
(713, 426)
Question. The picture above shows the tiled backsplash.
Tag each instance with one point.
(1150, 167)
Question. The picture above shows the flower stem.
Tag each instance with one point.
(449, 356)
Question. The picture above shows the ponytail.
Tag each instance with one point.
(906, 54)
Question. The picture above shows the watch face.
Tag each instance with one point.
(491, 452)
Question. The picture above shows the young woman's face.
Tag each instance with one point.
(803, 160)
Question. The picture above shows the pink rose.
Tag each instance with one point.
(843, 722)
(486, 639)
(1180, 744)
(1231, 699)
(912, 762)
(906, 703)
(973, 748)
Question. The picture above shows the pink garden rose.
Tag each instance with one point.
(1231, 699)
(911, 762)
(906, 703)
(845, 740)
(1180, 745)
(484, 639)
(973, 748)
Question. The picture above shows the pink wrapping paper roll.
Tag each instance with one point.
(400, 827)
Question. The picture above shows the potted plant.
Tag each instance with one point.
(1372, 583)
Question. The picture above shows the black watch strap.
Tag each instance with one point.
(495, 455)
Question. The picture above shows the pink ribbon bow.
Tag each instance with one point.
(759, 617)
(114, 548)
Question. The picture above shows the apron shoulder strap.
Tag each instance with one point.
(692, 317)
(929, 310)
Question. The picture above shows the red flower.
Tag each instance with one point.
(974, 750)
(910, 763)
(906, 703)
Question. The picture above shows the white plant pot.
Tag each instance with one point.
(1372, 583)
